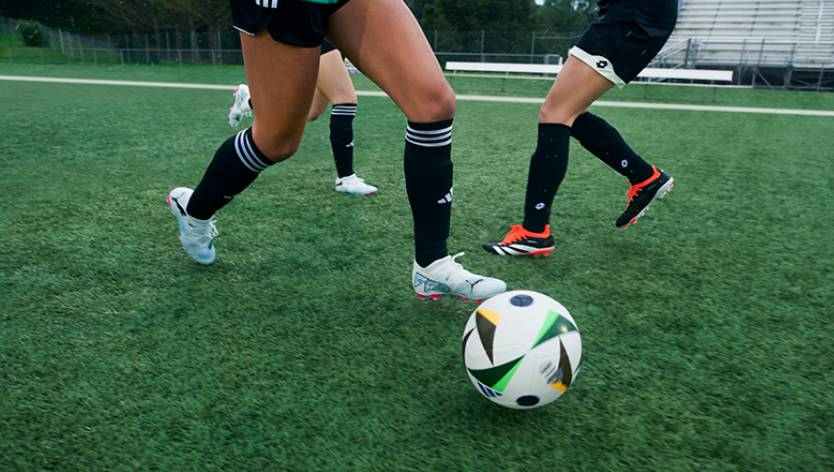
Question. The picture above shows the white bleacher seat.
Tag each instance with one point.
(701, 75)
(778, 33)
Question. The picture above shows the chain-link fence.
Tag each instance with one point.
(200, 47)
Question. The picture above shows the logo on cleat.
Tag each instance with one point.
(179, 207)
(430, 285)
(473, 284)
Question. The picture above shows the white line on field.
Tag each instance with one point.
(467, 98)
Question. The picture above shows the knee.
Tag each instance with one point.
(277, 147)
(560, 115)
(436, 105)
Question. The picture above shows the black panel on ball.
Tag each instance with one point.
(521, 300)
(527, 400)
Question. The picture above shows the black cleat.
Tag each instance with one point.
(520, 242)
(644, 193)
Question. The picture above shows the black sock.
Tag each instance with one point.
(604, 141)
(547, 170)
(236, 164)
(428, 182)
(341, 137)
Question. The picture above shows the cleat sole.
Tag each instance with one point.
(438, 296)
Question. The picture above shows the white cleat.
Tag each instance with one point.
(447, 277)
(240, 107)
(195, 235)
(354, 185)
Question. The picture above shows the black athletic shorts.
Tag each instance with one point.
(292, 22)
(327, 46)
(619, 50)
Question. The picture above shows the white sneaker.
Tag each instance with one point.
(240, 107)
(447, 277)
(354, 185)
(195, 235)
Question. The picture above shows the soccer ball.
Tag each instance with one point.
(521, 349)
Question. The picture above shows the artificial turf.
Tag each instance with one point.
(706, 328)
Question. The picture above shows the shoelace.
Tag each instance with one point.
(636, 188)
(204, 237)
(456, 268)
(516, 233)
(633, 191)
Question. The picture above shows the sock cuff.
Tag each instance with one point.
(248, 153)
(556, 133)
(343, 109)
(436, 134)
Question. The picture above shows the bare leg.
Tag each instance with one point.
(319, 105)
(334, 79)
(382, 38)
(282, 100)
(574, 90)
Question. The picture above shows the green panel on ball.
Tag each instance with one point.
(554, 325)
(499, 376)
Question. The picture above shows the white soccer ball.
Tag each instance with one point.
(522, 349)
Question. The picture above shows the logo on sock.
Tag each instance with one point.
(624, 163)
(447, 198)
(540, 206)
(602, 64)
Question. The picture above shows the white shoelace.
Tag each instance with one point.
(203, 233)
(454, 270)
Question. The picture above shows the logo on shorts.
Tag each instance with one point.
(602, 64)
(267, 3)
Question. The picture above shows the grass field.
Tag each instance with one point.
(707, 328)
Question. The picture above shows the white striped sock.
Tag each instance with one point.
(247, 152)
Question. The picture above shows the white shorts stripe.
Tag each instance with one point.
(593, 61)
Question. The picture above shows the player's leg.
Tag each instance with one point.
(283, 101)
(319, 105)
(575, 88)
(335, 83)
(382, 38)
(618, 51)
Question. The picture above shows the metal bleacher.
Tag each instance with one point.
(753, 35)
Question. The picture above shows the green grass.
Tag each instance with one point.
(707, 328)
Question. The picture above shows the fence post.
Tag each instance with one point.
(532, 45)
(483, 58)
(219, 47)
(80, 48)
(435, 40)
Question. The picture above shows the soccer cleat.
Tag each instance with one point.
(642, 194)
(195, 235)
(521, 242)
(447, 277)
(240, 107)
(354, 185)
